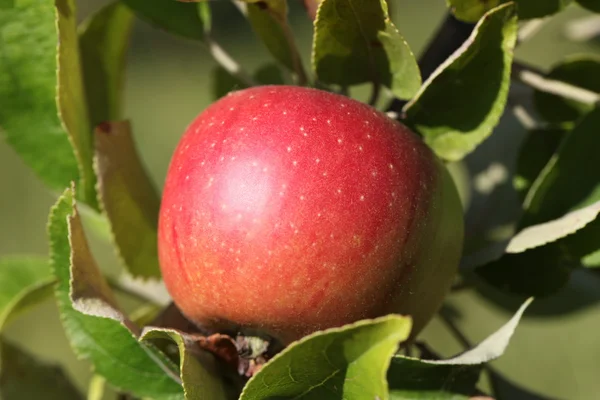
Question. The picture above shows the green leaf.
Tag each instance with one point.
(128, 198)
(103, 333)
(24, 377)
(555, 191)
(548, 232)
(537, 149)
(28, 111)
(24, 282)
(348, 362)
(472, 10)
(410, 378)
(462, 101)
(71, 98)
(103, 42)
(178, 18)
(222, 82)
(592, 5)
(270, 23)
(198, 369)
(356, 42)
(540, 271)
(454, 378)
(581, 71)
(269, 74)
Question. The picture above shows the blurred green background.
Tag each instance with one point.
(168, 83)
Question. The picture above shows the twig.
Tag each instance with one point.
(530, 28)
(536, 80)
(302, 79)
(375, 94)
(456, 331)
(227, 62)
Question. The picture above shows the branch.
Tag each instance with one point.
(535, 79)
(449, 37)
(227, 62)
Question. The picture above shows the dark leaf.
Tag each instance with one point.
(24, 377)
(535, 152)
(128, 197)
(178, 18)
(472, 10)
(200, 373)
(581, 71)
(103, 42)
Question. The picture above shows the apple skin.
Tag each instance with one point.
(288, 210)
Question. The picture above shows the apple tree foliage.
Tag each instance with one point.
(61, 110)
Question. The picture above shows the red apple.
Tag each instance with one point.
(289, 210)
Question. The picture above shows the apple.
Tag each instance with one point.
(288, 210)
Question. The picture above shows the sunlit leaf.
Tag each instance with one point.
(71, 98)
(356, 42)
(24, 282)
(28, 112)
(462, 101)
(97, 329)
(348, 362)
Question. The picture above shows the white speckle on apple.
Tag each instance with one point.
(254, 163)
(328, 122)
(284, 112)
(368, 136)
(339, 140)
(317, 160)
(187, 177)
(339, 191)
(362, 198)
(242, 129)
(391, 165)
(360, 148)
(213, 144)
(222, 158)
(289, 149)
(374, 172)
(302, 198)
(231, 108)
(266, 104)
(295, 163)
(209, 124)
(324, 173)
(254, 118)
